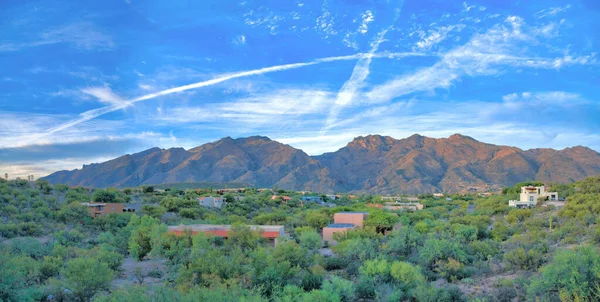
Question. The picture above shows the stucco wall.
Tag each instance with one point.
(356, 219)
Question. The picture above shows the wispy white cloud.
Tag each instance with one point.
(436, 35)
(145, 87)
(263, 17)
(273, 109)
(485, 54)
(239, 40)
(108, 96)
(367, 17)
(402, 120)
(467, 7)
(325, 22)
(104, 95)
(42, 168)
(22, 128)
(82, 35)
(543, 99)
(552, 11)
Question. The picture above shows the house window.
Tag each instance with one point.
(531, 198)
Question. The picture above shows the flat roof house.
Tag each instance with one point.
(342, 222)
(270, 232)
(333, 228)
(529, 197)
(103, 208)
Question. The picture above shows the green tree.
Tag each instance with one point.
(153, 211)
(18, 275)
(85, 277)
(310, 240)
(381, 220)
(408, 275)
(435, 249)
(44, 186)
(104, 196)
(378, 269)
(524, 260)
(402, 242)
(143, 231)
(343, 288)
(291, 252)
(170, 203)
(571, 276)
(317, 220)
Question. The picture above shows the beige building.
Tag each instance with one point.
(530, 195)
(342, 222)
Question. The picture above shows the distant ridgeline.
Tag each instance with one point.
(200, 185)
(371, 164)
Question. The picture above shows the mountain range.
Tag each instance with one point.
(373, 163)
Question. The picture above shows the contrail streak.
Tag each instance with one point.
(94, 113)
(349, 89)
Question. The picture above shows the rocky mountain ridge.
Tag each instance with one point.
(373, 163)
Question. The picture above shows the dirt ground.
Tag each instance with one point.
(481, 286)
(130, 265)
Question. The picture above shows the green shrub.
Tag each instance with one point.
(30, 229)
(9, 230)
(311, 281)
(365, 288)
(189, 213)
(335, 263)
(156, 273)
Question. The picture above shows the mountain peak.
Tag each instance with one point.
(255, 138)
(460, 137)
(372, 141)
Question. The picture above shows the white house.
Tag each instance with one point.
(530, 195)
(211, 202)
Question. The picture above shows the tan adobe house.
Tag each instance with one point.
(342, 222)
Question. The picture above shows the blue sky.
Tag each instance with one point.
(86, 81)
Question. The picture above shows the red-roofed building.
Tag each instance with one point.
(270, 232)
